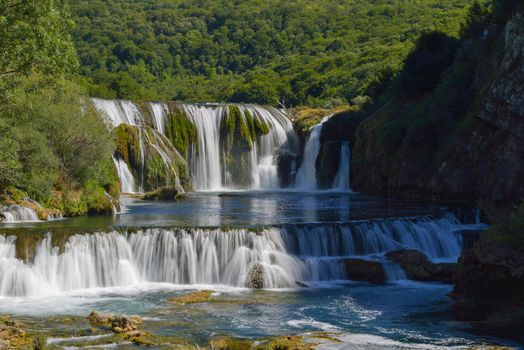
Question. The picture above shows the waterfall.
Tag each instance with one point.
(119, 112)
(306, 175)
(127, 181)
(17, 213)
(341, 181)
(205, 166)
(159, 112)
(287, 254)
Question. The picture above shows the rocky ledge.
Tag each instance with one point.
(489, 287)
(417, 266)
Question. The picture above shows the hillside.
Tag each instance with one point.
(451, 124)
(297, 52)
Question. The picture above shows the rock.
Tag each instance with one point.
(255, 278)
(478, 154)
(417, 266)
(117, 323)
(200, 296)
(488, 287)
(229, 343)
(167, 193)
(12, 336)
(365, 270)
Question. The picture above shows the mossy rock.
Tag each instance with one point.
(286, 343)
(342, 126)
(180, 130)
(162, 194)
(200, 296)
(229, 343)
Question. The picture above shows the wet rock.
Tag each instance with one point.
(117, 323)
(167, 193)
(287, 343)
(255, 278)
(200, 296)
(488, 287)
(12, 336)
(365, 271)
(417, 266)
(229, 343)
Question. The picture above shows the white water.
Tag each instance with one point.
(16, 213)
(306, 176)
(341, 181)
(205, 165)
(127, 181)
(119, 112)
(307, 253)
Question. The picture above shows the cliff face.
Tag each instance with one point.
(488, 287)
(461, 139)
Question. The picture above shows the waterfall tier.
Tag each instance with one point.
(225, 146)
(285, 255)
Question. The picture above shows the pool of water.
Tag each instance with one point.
(397, 315)
(243, 209)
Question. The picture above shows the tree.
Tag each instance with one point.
(34, 34)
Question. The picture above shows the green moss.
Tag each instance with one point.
(181, 131)
(168, 193)
(127, 141)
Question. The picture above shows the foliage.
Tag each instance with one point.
(51, 140)
(301, 52)
(35, 35)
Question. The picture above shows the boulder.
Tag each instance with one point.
(488, 286)
(365, 271)
(200, 296)
(117, 323)
(417, 266)
(255, 277)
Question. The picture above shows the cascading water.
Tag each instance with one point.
(205, 166)
(127, 181)
(17, 213)
(341, 181)
(306, 176)
(307, 253)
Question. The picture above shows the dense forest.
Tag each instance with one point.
(52, 147)
(305, 52)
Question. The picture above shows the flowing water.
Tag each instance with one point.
(131, 263)
(207, 165)
(293, 243)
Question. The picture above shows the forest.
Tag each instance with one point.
(273, 52)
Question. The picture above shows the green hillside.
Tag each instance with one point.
(305, 52)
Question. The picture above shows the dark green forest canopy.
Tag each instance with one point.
(305, 52)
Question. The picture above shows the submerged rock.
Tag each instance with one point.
(417, 266)
(192, 298)
(12, 336)
(365, 271)
(255, 278)
(230, 343)
(117, 323)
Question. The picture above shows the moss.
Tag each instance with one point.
(127, 140)
(286, 343)
(180, 131)
(167, 193)
(229, 343)
(200, 296)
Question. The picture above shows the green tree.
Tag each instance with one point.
(35, 34)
